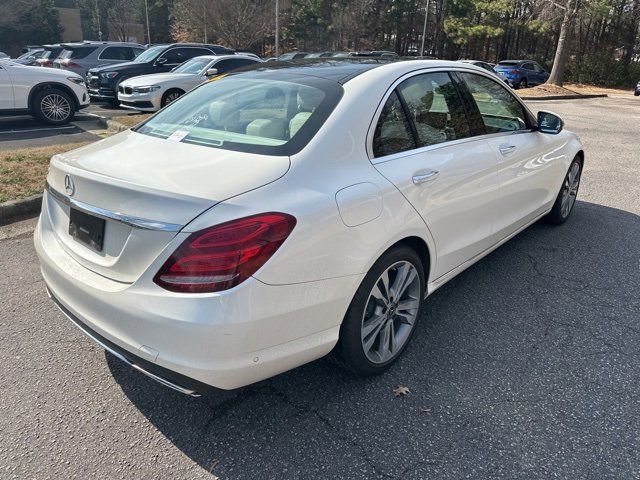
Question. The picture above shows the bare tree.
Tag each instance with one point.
(570, 12)
(121, 16)
(242, 23)
(351, 24)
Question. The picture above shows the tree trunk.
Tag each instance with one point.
(564, 41)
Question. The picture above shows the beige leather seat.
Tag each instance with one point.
(308, 99)
(268, 128)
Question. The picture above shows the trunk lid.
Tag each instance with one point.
(138, 177)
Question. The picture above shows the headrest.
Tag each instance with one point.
(309, 98)
(267, 128)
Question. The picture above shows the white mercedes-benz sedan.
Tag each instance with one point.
(270, 217)
(149, 93)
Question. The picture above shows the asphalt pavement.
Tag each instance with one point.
(26, 131)
(525, 366)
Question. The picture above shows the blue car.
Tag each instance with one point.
(522, 73)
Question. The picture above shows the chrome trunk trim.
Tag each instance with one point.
(135, 222)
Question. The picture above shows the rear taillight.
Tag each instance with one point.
(515, 70)
(223, 256)
(69, 64)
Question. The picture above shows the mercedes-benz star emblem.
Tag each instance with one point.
(69, 186)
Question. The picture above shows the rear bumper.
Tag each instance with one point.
(170, 379)
(224, 340)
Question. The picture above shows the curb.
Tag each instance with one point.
(16, 210)
(565, 97)
(112, 125)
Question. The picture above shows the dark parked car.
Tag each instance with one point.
(83, 56)
(103, 81)
(637, 90)
(51, 53)
(522, 73)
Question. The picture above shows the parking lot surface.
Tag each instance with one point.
(526, 365)
(26, 131)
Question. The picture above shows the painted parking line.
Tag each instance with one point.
(43, 129)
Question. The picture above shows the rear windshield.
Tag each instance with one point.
(76, 53)
(507, 64)
(53, 53)
(271, 113)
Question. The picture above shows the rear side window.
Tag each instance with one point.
(435, 108)
(499, 110)
(393, 133)
(176, 56)
(77, 53)
(117, 53)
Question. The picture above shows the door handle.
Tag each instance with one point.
(424, 177)
(507, 149)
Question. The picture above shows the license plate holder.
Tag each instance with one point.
(87, 229)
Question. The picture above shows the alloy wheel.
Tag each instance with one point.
(55, 107)
(570, 189)
(391, 312)
(171, 98)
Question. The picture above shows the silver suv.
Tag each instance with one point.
(80, 57)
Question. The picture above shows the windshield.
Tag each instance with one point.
(507, 64)
(149, 54)
(31, 53)
(272, 113)
(195, 65)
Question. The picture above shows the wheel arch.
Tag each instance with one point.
(51, 85)
(421, 247)
(172, 89)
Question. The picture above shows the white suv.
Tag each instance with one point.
(50, 95)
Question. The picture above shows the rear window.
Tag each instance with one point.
(77, 53)
(267, 113)
(51, 54)
(508, 64)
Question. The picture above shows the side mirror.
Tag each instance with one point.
(211, 72)
(161, 61)
(549, 123)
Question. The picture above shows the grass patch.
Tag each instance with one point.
(23, 171)
(131, 120)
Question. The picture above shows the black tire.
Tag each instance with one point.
(349, 351)
(524, 83)
(170, 96)
(558, 215)
(53, 106)
(637, 94)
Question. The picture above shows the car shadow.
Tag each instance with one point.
(510, 359)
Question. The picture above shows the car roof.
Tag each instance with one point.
(93, 44)
(339, 70)
(343, 69)
(226, 55)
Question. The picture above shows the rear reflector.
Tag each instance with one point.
(225, 255)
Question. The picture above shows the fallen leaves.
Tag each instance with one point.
(400, 391)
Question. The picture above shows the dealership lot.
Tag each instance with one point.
(26, 131)
(524, 366)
